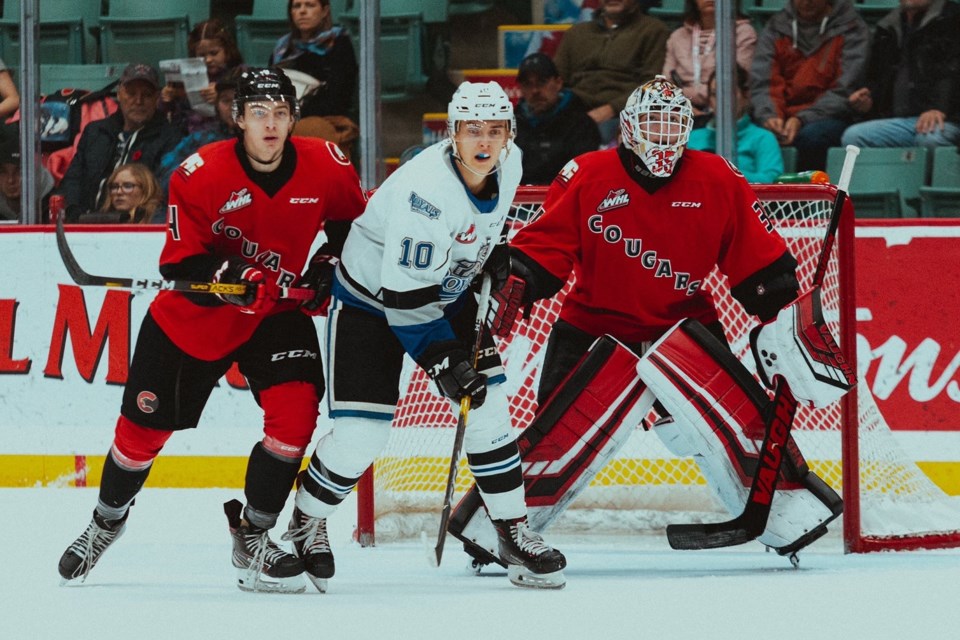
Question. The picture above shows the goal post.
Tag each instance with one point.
(644, 487)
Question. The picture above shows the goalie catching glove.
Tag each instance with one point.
(448, 364)
(319, 277)
(261, 294)
(798, 345)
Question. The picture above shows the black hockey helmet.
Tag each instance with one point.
(271, 85)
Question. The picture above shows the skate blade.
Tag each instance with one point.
(525, 578)
(250, 582)
(319, 583)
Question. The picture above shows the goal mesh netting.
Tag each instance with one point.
(644, 486)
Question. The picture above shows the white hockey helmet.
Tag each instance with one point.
(479, 101)
(655, 124)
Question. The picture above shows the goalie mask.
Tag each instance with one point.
(655, 124)
(475, 104)
(265, 85)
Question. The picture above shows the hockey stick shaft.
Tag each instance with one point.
(85, 279)
(482, 304)
(753, 520)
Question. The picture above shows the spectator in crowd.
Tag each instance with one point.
(212, 41)
(226, 89)
(9, 96)
(552, 122)
(134, 196)
(604, 60)
(912, 92)
(135, 133)
(11, 181)
(758, 153)
(323, 51)
(340, 130)
(691, 52)
(809, 58)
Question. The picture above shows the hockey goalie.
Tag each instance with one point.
(640, 227)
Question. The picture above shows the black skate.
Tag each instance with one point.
(261, 565)
(310, 542)
(81, 557)
(530, 561)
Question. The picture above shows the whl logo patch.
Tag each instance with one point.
(421, 206)
(238, 200)
(615, 199)
(467, 237)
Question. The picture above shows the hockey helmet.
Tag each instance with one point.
(479, 101)
(265, 85)
(655, 124)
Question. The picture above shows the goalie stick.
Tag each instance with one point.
(435, 554)
(753, 520)
(85, 279)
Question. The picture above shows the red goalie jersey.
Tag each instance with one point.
(641, 257)
(217, 210)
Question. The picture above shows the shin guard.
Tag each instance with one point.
(582, 425)
(718, 413)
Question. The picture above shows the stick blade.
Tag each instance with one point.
(433, 553)
(711, 535)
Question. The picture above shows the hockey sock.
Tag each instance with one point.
(269, 480)
(118, 488)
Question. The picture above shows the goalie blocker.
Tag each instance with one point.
(717, 415)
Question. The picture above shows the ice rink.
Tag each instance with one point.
(170, 577)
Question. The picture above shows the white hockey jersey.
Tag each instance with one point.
(421, 241)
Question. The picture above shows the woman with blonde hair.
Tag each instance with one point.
(134, 196)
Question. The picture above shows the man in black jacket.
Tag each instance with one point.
(552, 123)
(135, 133)
(912, 97)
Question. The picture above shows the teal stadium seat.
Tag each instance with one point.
(886, 182)
(761, 10)
(148, 31)
(466, 7)
(401, 44)
(789, 159)
(942, 198)
(872, 10)
(78, 76)
(68, 31)
(257, 33)
(670, 12)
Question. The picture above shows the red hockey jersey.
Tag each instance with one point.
(640, 259)
(215, 208)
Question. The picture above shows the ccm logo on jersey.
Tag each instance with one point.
(686, 205)
(295, 353)
(237, 200)
(304, 200)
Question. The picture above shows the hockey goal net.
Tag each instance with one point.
(889, 502)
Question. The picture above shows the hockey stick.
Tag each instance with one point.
(482, 304)
(85, 279)
(753, 520)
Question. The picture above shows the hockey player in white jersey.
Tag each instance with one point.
(403, 286)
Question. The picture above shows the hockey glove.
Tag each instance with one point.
(455, 377)
(498, 266)
(261, 294)
(319, 276)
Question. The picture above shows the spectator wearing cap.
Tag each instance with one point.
(552, 122)
(11, 181)
(135, 133)
(604, 60)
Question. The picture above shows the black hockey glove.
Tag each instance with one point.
(261, 294)
(498, 266)
(319, 276)
(449, 366)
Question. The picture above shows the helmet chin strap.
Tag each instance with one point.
(456, 155)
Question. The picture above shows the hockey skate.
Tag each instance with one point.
(261, 565)
(82, 556)
(311, 543)
(530, 561)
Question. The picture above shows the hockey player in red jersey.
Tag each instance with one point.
(242, 211)
(640, 227)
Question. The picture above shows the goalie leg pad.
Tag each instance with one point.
(798, 345)
(719, 412)
(586, 420)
